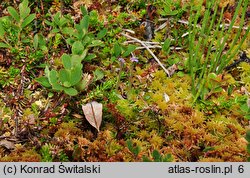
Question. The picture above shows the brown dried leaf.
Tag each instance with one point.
(93, 113)
(172, 69)
(7, 144)
(32, 119)
(78, 116)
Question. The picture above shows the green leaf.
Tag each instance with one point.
(55, 30)
(102, 33)
(68, 31)
(56, 19)
(24, 4)
(217, 89)
(44, 48)
(2, 31)
(66, 60)
(136, 150)
(247, 116)
(129, 50)
(4, 45)
(52, 76)
(156, 155)
(24, 9)
(84, 23)
(95, 43)
(208, 148)
(248, 136)
(130, 145)
(62, 21)
(90, 57)
(25, 40)
(13, 13)
(167, 158)
(77, 48)
(84, 54)
(43, 81)
(46, 71)
(248, 148)
(117, 50)
(87, 40)
(244, 108)
(168, 11)
(98, 75)
(145, 159)
(28, 20)
(53, 80)
(76, 75)
(64, 77)
(230, 90)
(76, 60)
(41, 40)
(48, 23)
(166, 45)
(71, 91)
(212, 76)
(70, 77)
(35, 41)
(180, 74)
(70, 41)
(57, 87)
(80, 34)
(84, 10)
(67, 84)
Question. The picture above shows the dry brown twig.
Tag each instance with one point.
(149, 50)
(186, 23)
(151, 44)
(156, 46)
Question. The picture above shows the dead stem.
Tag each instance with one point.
(143, 44)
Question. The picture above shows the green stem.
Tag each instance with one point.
(232, 51)
(130, 78)
(118, 79)
(225, 37)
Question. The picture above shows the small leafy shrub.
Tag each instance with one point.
(77, 35)
(173, 8)
(15, 30)
(65, 79)
(70, 78)
(12, 26)
(122, 51)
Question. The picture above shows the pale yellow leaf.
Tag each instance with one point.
(93, 113)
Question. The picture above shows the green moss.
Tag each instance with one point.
(245, 75)
(126, 108)
(68, 129)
